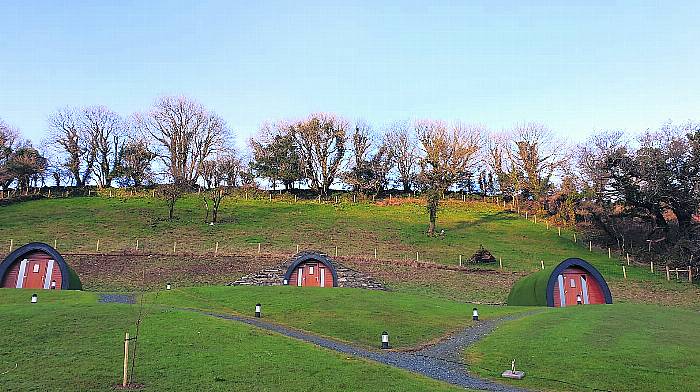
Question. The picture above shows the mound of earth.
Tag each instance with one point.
(482, 256)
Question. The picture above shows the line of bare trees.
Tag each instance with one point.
(623, 187)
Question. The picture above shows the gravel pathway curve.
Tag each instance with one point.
(441, 361)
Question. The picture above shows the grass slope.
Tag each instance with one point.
(396, 231)
(68, 342)
(353, 315)
(619, 347)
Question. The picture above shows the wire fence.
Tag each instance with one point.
(622, 265)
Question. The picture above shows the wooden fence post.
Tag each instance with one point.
(216, 250)
(668, 273)
(628, 259)
(126, 359)
(652, 267)
(624, 272)
(690, 274)
(259, 247)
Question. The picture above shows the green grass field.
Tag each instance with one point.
(619, 347)
(68, 342)
(396, 231)
(351, 315)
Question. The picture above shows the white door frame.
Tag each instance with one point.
(49, 272)
(322, 272)
(300, 272)
(22, 271)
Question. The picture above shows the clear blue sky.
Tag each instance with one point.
(575, 67)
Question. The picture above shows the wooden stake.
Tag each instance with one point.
(559, 231)
(574, 237)
(174, 246)
(319, 198)
(652, 267)
(676, 273)
(336, 251)
(525, 214)
(295, 198)
(153, 194)
(375, 253)
(270, 196)
(535, 219)
(416, 256)
(11, 243)
(624, 272)
(690, 274)
(460, 260)
(500, 263)
(590, 246)
(98, 246)
(55, 244)
(259, 247)
(137, 244)
(542, 263)
(297, 248)
(216, 249)
(354, 198)
(126, 359)
(547, 225)
(668, 273)
(628, 259)
(609, 254)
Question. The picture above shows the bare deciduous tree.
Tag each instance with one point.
(448, 153)
(321, 140)
(105, 129)
(404, 150)
(536, 155)
(68, 137)
(186, 135)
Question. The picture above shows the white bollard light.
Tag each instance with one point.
(475, 314)
(258, 308)
(35, 298)
(385, 340)
(167, 286)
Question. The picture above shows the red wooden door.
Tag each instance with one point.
(572, 288)
(34, 274)
(311, 278)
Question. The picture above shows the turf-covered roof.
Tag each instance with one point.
(537, 289)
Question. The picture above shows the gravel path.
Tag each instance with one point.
(118, 298)
(441, 362)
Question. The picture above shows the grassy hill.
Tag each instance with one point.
(396, 230)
